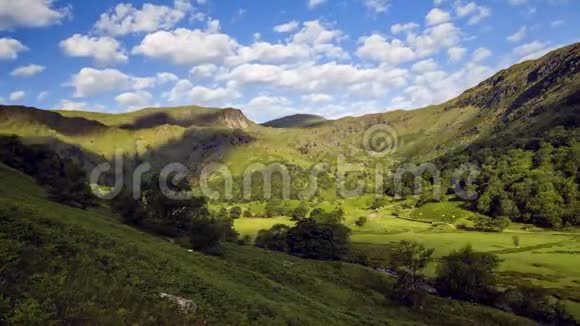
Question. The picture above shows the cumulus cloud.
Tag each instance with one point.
(90, 81)
(531, 50)
(288, 27)
(134, 100)
(377, 48)
(205, 70)
(425, 65)
(68, 105)
(480, 54)
(184, 92)
(187, 47)
(456, 54)
(474, 12)
(437, 16)
(17, 96)
(27, 71)
(10, 48)
(377, 6)
(125, 18)
(30, 13)
(434, 39)
(317, 98)
(404, 28)
(104, 50)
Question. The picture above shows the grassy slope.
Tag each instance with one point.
(247, 286)
(296, 121)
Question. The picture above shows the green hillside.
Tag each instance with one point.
(74, 264)
(297, 121)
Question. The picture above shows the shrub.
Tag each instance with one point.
(361, 221)
(468, 275)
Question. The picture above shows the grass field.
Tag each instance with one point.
(544, 258)
(247, 286)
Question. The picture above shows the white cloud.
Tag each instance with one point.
(104, 50)
(425, 66)
(206, 70)
(317, 98)
(185, 92)
(400, 28)
(27, 71)
(134, 100)
(377, 6)
(480, 54)
(125, 19)
(30, 13)
(519, 35)
(437, 16)
(377, 48)
(68, 105)
(456, 54)
(9, 48)
(315, 3)
(166, 77)
(264, 102)
(17, 96)
(287, 27)
(472, 10)
(187, 47)
(321, 38)
(532, 50)
(435, 38)
(325, 78)
(271, 53)
(90, 81)
(517, 2)
(42, 96)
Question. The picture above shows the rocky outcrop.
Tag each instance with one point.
(185, 306)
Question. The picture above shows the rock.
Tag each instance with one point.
(186, 306)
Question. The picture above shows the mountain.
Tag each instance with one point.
(297, 121)
(516, 103)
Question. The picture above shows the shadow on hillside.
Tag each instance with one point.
(197, 147)
(68, 126)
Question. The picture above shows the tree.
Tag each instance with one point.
(409, 258)
(235, 212)
(535, 303)
(300, 213)
(468, 275)
(248, 213)
(309, 239)
(206, 233)
(273, 239)
(378, 202)
(489, 224)
(516, 241)
(131, 210)
(361, 221)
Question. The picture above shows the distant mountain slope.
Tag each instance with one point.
(179, 116)
(297, 121)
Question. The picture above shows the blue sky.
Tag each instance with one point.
(268, 58)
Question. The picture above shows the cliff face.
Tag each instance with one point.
(233, 118)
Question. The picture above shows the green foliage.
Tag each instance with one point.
(468, 275)
(235, 212)
(409, 259)
(64, 180)
(323, 217)
(489, 224)
(534, 303)
(300, 212)
(308, 239)
(361, 221)
(206, 233)
(273, 239)
(378, 202)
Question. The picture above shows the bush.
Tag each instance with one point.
(235, 212)
(488, 224)
(534, 303)
(361, 221)
(273, 239)
(309, 239)
(468, 275)
(206, 233)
